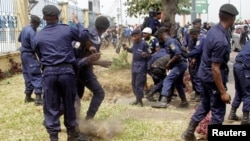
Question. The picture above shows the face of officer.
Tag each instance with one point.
(197, 25)
(35, 24)
(136, 38)
(232, 20)
(162, 36)
(146, 36)
(194, 36)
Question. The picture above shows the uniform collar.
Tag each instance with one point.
(226, 32)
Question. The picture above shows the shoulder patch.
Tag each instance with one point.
(172, 46)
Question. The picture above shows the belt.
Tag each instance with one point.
(242, 64)
(59, 65)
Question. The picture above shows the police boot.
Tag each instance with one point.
(188, 134)
(53, 136)
(38, 100)
(88, 117)
(28, 98)
(77, 136)
(150, 96)
(232, 115)
(245, 119)
(184, 103)
(137, 102)
(161, 104)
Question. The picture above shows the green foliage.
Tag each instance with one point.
(121, 62)
(136, 7)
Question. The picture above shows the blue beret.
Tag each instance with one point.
(195, 21)
(194, 31)
(136, 32)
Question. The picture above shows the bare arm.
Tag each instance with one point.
(172, 61)
(216, 72)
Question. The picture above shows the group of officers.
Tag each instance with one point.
(206, 60)
(58, 69)
(67, 70)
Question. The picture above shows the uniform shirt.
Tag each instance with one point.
(244, 55)
(188, 42)
(26, 37)
(154, 24)
(139, 63)
(216, 49)
(54, 43)
(198, 49)
(173, 47)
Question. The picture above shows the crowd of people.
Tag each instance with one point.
(58, 69)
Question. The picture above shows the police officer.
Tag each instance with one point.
(139, 65)
(154, 22)
(175, 68)
(241, 73)
(85, 74)
(213, 72)
(194, 63)
(54, 48)
(30, 64)
(190, 44)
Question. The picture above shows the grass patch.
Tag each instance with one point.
(114, 121)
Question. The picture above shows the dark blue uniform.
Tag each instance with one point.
(86, 77)
(30, 65)
(54, 48)
(242, 79)
(154, 24)
(177, 71)
(196, 53)
(216, 49)
(139, 68)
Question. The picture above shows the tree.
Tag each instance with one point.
(169, 8)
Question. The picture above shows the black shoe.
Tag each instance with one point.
(38, 100)
(89, 117)
(188, 134)
(183, 104)
(232, 115)
(28, 98)
(161, 104)
(150, 98)
(133, 103)
(137, 102)
(78, 137)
